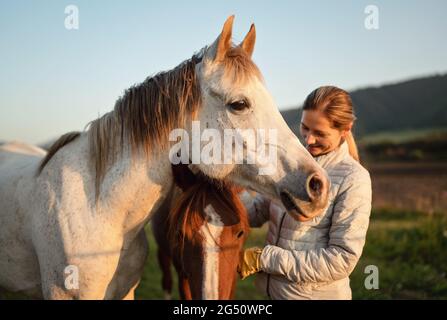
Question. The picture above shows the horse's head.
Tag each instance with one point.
(234, 97)
(208, 227)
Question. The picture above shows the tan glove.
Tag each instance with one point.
(250, 262)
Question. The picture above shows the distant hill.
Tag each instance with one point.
(409, 105)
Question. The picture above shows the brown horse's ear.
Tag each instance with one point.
(248, 44)
(183, 177)
(224, 41)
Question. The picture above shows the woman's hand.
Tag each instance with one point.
(250, 262)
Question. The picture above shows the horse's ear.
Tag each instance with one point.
(248, 44)
(224, 41)
(183, 177)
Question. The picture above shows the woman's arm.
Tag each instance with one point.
(257, 209)
(347, 234)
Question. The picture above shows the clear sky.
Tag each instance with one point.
(54, 80)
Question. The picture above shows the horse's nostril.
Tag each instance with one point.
(315, 186)
(240, 234)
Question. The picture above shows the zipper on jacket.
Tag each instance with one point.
(276, 244)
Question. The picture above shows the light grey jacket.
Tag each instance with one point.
(313, 259)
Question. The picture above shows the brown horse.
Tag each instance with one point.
(201, 228)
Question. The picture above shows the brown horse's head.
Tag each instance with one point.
(207, 227)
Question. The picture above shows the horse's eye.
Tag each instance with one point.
(240, 234)
(239, 105)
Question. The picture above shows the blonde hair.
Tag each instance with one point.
(336, 105)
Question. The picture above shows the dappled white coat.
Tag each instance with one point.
(313, 259)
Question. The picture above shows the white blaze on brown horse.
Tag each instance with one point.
(201, 229)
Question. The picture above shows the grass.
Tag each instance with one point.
(402, 136)
(409, 249)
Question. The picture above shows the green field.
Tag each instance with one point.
(409, 248)
(403, 136)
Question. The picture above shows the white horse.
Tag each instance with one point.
(72, 223)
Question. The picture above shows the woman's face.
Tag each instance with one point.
(319, 137)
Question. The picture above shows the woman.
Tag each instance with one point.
(313, 259)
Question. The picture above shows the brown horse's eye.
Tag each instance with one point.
(240, 234)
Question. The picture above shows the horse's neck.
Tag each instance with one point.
(132, 188)
(136, 186)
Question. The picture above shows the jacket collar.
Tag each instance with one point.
(333, 157)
